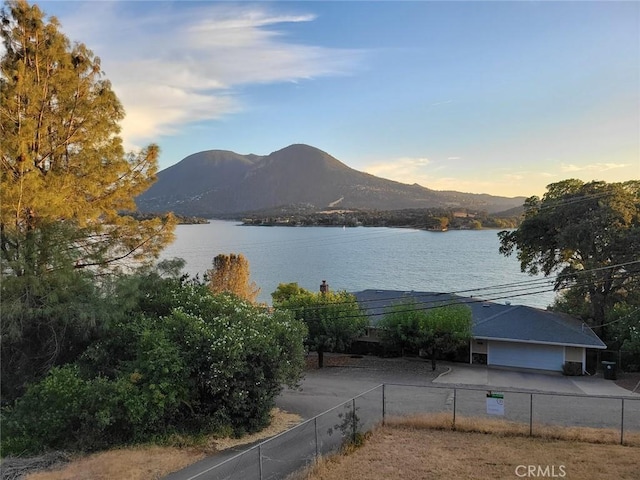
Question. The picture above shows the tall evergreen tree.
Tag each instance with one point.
(65, 186)
(66, 179)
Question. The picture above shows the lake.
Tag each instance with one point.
(464, 261)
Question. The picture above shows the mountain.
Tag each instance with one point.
(220, 182)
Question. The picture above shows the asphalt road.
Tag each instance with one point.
(411, 387)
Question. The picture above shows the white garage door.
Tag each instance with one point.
(526, 355)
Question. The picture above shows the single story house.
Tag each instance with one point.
(502, 334)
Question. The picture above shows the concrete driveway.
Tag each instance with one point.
(536, 381)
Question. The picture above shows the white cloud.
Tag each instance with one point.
(595, 167)
(171, 65)
(514, 176)
(403, 169)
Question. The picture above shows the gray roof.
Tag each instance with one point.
(492, 321)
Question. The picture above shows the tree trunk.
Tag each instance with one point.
(320, 358)
(433, 359)
(599, 314)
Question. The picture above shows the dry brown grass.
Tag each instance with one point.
(419, 449)
(443, 421)
(127, 463)
(153, 462)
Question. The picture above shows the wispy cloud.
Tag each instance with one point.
(595, 167)
(403, 169)
(171, 65)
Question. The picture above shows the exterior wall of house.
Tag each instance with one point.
(573, 354)
(371, 334)
(479, 353)
(479, 346)
(369, 343)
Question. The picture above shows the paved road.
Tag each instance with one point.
(411, 387)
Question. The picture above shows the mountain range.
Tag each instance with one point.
(219, 182)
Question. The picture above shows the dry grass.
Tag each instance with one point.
(443, 421)
(153, 462)
(420, 448)
(129, 463)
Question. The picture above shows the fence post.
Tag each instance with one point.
(260, 460)
(622, 423)
(315, 427)
(353, 406)
(454, 408)
(531, 414)
(383, 404)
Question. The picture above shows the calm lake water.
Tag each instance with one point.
(361, 258)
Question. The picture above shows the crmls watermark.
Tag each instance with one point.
(541, 471)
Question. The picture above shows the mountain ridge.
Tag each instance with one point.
(222, 182)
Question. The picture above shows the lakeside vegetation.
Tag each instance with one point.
(179, 219)
(424, 219)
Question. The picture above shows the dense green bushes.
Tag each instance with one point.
(436, 330)
(333, 319)
(175, 359)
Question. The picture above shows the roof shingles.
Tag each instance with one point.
(516, 323)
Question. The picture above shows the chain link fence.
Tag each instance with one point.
(532, 413)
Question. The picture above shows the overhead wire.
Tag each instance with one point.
(535, 285)
(434, 302)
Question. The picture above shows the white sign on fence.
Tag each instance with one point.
(495, 403)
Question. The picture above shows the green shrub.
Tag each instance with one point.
(49, 414)
(213, 363)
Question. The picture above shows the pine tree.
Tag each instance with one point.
(66, 180)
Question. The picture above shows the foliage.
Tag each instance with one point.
(65, 178)
(333, 319)
(625, 326)
(588, 233)
(285, 291)
(421, 218)
(230, 273)
(175, 358)
(350, 427)
(47, 320)
(436, 330)
(399, 328)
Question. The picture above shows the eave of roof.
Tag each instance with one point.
(538, 342)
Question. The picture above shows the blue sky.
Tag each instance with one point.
(485, 97)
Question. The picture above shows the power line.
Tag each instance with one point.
(435, 302)
(512, 287)
(628, 315)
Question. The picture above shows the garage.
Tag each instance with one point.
(526, 355)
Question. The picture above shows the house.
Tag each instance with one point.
(503, 334)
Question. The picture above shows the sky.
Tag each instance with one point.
(483, 97)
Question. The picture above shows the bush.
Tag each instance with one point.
(572, 368)
(59, 412)
(214, 362)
